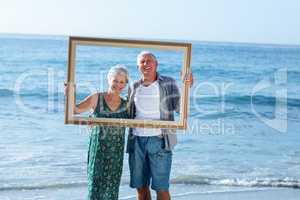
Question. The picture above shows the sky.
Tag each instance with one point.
(251, 21)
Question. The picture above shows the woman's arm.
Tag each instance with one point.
(87, 104)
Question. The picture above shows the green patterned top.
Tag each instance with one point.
(105, 155)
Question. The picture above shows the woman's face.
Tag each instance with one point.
(117, 82)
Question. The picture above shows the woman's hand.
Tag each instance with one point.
(66, 88)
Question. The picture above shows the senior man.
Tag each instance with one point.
(153, 97)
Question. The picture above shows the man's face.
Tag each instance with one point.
(147, 65)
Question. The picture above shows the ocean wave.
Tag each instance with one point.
(36, 94)
(247, 99)
(6, 92)
(185, 180)
(257, 100)
(10, 93)
(267, 182)
(293, 75)
(226, 114)
(42, 186)
(239, 106)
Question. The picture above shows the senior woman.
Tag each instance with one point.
(106, 146)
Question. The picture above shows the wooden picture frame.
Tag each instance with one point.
(71, 118)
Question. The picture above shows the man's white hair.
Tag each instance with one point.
(143, 53)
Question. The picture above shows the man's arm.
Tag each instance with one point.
(175, 97)
(188, 79)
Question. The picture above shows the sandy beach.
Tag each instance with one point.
(178, 192)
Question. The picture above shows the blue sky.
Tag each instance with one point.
(257, 21)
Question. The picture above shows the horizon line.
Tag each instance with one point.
(155, 39)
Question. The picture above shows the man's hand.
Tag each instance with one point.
(187, 78)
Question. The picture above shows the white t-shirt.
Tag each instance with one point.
(147, 107)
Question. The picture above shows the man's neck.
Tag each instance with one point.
(146, 81)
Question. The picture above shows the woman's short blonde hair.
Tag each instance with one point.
(118, 69)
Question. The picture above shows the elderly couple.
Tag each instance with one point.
(150, 150)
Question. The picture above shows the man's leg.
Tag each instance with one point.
(139, 169)
(160, 161)
(163, 195)
(143, 193)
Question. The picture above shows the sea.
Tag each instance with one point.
(243, 130)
